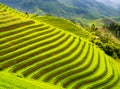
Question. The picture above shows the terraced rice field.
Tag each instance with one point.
(64, 25)
(43, 52)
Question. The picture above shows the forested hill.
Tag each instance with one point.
(89, 9)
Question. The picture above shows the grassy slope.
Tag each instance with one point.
(9, 81)
(103, 30)
(65, 25)
(102, 21)
(118, 64)
(117, 18)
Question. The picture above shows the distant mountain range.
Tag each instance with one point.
(89, 9)
(113, 3)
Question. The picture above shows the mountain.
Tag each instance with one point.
(113, 3)
(48, 6)
(102, 21)
(30, 6)
(117, 18)
(93, 7)
(89, 9)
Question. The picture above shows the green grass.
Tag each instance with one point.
(65, 25)
(102, 21)
(32, 69)
(10, 81)
(15, 24)
(44, 55)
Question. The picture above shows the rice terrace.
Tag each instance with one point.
(37, 55)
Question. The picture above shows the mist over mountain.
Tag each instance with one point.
(94, 7)
(89, 9)
(112, 3)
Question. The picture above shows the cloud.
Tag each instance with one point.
(113, 3)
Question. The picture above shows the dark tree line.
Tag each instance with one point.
(105, 42)
(116, 28)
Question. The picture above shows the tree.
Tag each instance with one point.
(116, 28)
(27, 13)
(93, 28)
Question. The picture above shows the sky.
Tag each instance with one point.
(114, 3)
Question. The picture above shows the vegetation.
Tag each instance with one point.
(116, 28)
(102, 21)
(69, 9)
(11, 81)
(39, 51)
(64, 24)
(105, 42)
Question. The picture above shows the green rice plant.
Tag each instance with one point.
(72, 79)
(54, 62)
(93, 77)
(53, 51)
(76, 68)
(12, 81)
(37, 57)
(34, 51)
(115, 83)
(23, 42)
(112, 79)
(43, 52)
(4, 8)
(64, 25)
(56, 75)
(103, 75)
(28, 41)
(5, 17)
(8, 20)
(96, 75)
(3, 13)
(15, 25)
(30, 69)
(26, 48)
(18, 30)
(12, 11)
(61, 64)
(1, 5)
(16, 37)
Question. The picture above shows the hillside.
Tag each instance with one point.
(102, 21)
(36, 50)
(10, 81)
(102, 25)
(65, 25)
(64, 8)
(115, 3)
(47, 6)
(117, 18)
(92, 7)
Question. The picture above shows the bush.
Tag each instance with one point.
(108, 49)
(108, 46)
(112, 50)
(99, 43)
